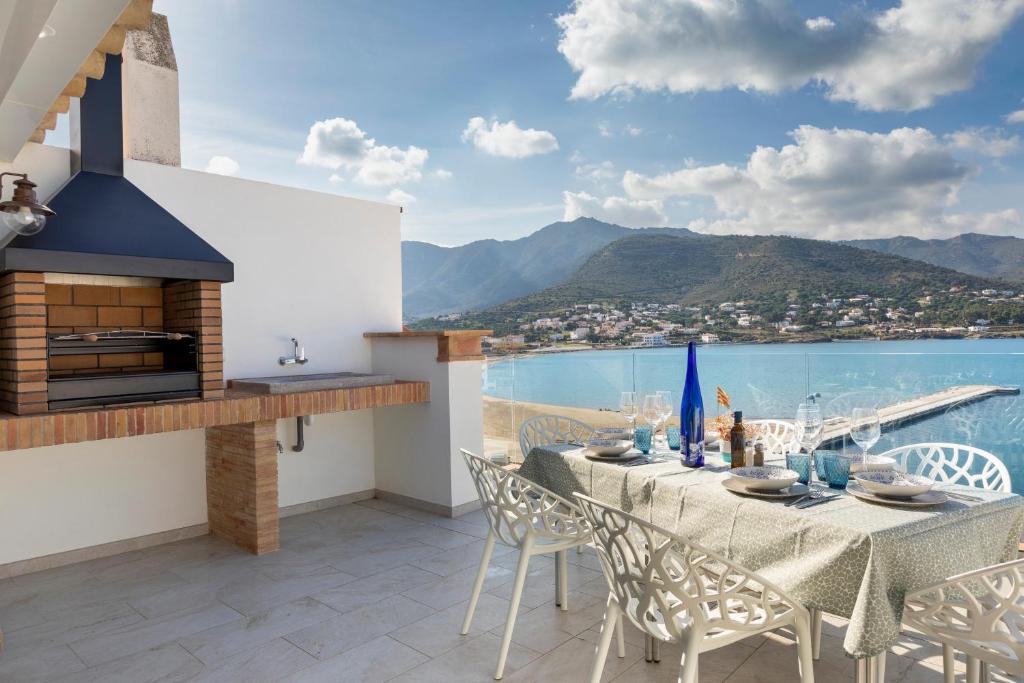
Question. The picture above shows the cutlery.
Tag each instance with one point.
(962, 496)
(807, 496)
(816, 501)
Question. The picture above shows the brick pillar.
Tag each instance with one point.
(241, 484)
(23, 343)
(194, 306)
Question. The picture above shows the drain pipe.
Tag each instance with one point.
(300, 437)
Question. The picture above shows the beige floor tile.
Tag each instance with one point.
(456, 588)
(345, 631)
(38, 665)
(379, 660)
(267, 663)
(472, 662)
(572, 661)
(372, 589)
(439, 632)
(546, 627)
(164, 664)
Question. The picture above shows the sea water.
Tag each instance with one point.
(770, 380)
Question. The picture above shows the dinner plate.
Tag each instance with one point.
(923, 500)
(794, 491)
(628, 455)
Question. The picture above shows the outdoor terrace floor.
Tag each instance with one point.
(366, 592)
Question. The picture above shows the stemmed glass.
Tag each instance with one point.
(628, 408)
(809, 426)
(865, 429)
(665, 403)
(809, 429)
(652, 413)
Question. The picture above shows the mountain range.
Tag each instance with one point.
(571, 261)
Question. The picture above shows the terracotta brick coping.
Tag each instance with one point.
(51, 429)
(452, 345)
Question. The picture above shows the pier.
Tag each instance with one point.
(919, 408)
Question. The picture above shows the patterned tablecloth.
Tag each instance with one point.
(846, 557)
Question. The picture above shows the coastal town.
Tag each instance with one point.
(954, 313)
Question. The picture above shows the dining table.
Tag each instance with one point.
(846, 557)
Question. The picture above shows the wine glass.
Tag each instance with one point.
(665, 403)
(628, 408)
(809, 426)
(865, 429)
(652, 412)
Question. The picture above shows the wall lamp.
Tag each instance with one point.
(22, 213)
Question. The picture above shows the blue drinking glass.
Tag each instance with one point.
(673, 437)
(801, 464)
(642, 436)
(819, 464)
(837, 470)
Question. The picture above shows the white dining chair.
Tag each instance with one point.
(779, 437)
(523, 515)
(980, 613)
(678, 592)
(545, 430)
(951, 463)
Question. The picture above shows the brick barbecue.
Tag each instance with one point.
(116, 301)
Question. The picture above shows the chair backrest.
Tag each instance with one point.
(670, 587)
(544, 430)
(517, 509)
(779, 437)
(953, 463)
(980, 612)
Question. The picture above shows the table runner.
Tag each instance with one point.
(846, 557)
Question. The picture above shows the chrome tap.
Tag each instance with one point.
(298, 355)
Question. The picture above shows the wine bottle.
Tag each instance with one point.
(691, 414)
(738, 441)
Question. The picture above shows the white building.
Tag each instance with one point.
(579, 333)
(132, 477)
(652, 339)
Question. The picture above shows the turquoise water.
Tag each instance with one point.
(769, 380)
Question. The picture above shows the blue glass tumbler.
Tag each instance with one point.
(642, 436)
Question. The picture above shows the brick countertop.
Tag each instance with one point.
(51, 429)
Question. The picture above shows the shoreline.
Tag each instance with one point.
(491, 357)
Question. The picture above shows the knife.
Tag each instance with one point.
(816, 501)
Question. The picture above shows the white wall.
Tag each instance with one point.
(316, 266)
(65, 497)
(418, 446)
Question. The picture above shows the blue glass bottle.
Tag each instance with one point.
(691, 414)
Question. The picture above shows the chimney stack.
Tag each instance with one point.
(152, 130)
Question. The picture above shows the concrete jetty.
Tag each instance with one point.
(920, 407)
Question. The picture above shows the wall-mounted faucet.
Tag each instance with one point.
(298, 355)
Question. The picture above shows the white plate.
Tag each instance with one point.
(611, 433)
(794, 491)
(894, 484)
(764, 478)
(628, 455)
(924, 500)
(608, 447)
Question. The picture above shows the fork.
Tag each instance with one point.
(811, 495)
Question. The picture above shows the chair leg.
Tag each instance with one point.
(478, 585)
(611, 624)
(973, 670)
(880, 667)
(983, 672)
(691, 653)
(562, 560)
(816, 633)
(948, 664)
(620, 636)
(513, 607)
(558, 580)
(805, 649)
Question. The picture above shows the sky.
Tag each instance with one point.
(830, 120)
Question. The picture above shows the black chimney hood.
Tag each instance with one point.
(105, 225)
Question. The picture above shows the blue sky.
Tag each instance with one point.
(664, 125)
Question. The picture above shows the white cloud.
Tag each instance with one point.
(399, 196)
(832, 184)
(222, 165)
(634, 213)
(508, 139)
(597, 173)
(632, 130)
(902, 58)
(1015, 116)
(340, 144)
(985, 141)
(604, 129)
(443, 174)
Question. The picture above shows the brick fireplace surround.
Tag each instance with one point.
(33, 305)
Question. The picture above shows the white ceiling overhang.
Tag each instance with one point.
(47, 50)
